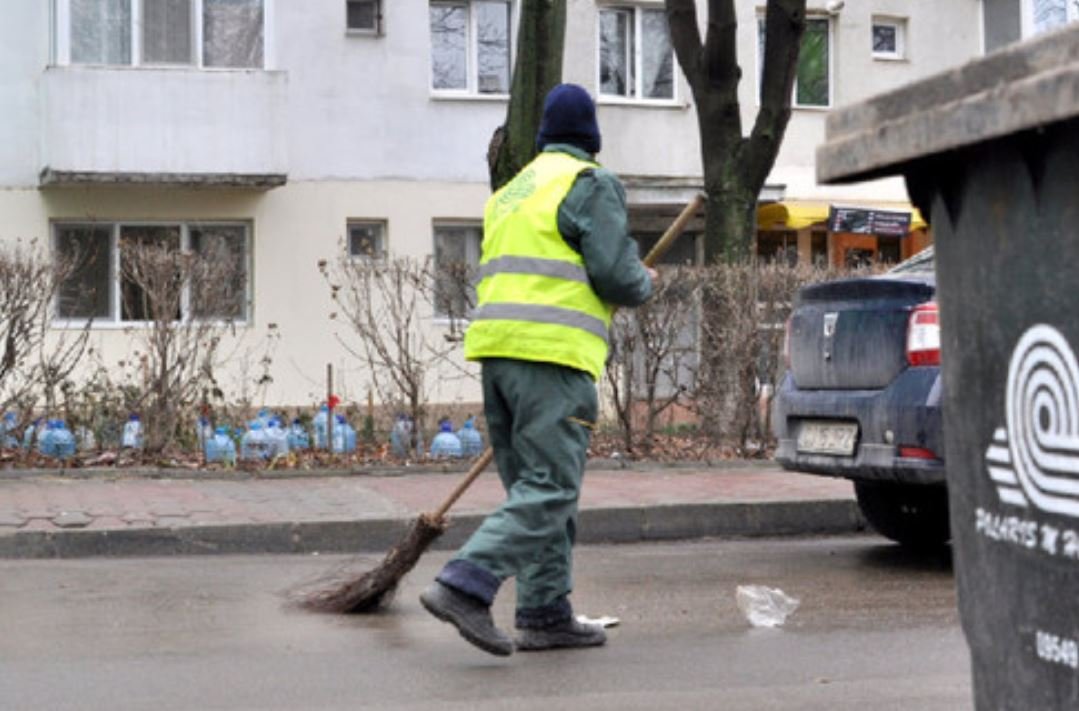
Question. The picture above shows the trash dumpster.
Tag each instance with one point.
(990, 153)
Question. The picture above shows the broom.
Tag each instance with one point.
(366, 592)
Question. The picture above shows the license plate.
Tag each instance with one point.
(828, 438)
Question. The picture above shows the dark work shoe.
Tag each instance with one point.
(570, 633)
(470, 616)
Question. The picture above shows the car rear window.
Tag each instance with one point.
(920, 263)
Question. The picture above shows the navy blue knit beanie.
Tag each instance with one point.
(569, 116)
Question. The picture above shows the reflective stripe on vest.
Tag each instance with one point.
(533, 265)
(542, 314)
(535, 300)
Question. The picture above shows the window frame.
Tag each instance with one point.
(794, 91)
(61, 35)
(899, 24)
(471, 89)
(1026, 15)
(636, 57)
(375, 31)
(383, 250)
(114, 320)
(441, 317)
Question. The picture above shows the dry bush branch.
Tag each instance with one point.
(384, 303)
(189, 302)
(653, 354)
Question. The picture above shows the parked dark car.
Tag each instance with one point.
(861, 397)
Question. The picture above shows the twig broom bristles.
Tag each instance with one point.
(368, 591)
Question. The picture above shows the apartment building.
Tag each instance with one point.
(292, 131)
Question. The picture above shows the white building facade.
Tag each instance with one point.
(290, 130)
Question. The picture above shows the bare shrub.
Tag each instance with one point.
(653, 356)
(384, 302)
(34, 361)
(189, 301)
(741, 339)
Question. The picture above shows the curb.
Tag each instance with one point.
(378, 535)
(241, 474)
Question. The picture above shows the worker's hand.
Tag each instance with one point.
(652, 274)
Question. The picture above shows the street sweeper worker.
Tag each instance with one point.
(556, 259)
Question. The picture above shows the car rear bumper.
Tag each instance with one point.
(907, 413)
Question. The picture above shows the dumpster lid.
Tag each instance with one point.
(1021, 87)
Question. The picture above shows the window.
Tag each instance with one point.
(363, 16)
(470, 47)
(166, 32)
(818, 248)
(780, 247)
(812, 85)
(1045, 15)
(457, 257)
(635, 56)
(202, 33)
(95, 265)
(100, 31)
(889, 38)
(135, 302)
(366, 239)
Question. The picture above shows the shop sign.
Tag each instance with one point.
(864, 221)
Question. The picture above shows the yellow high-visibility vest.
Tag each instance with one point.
(534, 299)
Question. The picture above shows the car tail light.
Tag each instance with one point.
(923, 335)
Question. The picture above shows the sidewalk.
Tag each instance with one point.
(113, 513)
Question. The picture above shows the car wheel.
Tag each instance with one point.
(912, 515)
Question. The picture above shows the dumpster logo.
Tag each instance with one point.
(1034, 459)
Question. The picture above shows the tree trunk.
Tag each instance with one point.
(736, 166)
(541, 38)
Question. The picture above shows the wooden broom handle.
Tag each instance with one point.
(650, 260)
(673, 231)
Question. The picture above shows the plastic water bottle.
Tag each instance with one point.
(45, 438)
(471, 439)
(298, 439)
(401, 437)
(276, 438)
(221, 447)
(445, 444)
(32, 434)
(203, 432)
(254, 444)
(350, 438)
(344, 436)
(132, 437)
(321, 419)
(84, 437)
(63, 441)
(264, 416)
(9, 440)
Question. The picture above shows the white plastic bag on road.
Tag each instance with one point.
(604, 621)
(764, 606)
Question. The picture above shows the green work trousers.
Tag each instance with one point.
(540, 418)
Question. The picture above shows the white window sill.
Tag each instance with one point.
(467, 96)
(889, 57)
(161, 67)
(358, 32)
(102, 325)
(604, 100)
(816, 109)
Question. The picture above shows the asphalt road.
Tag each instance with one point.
(876, 629)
